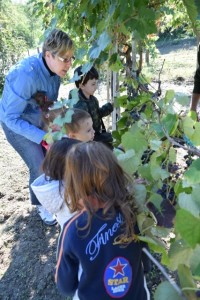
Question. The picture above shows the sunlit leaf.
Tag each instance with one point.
(57, 135)
(188, 126)
(129, 161)
(156, 200)
(103, 41)
(186, 202)
(94, 52)
(195, 262)
(179, 253)
(134, 139)
(157, 171)
(155, 144)
(170, 123)
(192, 174)
(188, 226)
(186, 281)
(166, 291)
(48, 138)
(169, 95)
(140, 195)
(86, 67)
(145, 172)
(68, 116)
(195, 137)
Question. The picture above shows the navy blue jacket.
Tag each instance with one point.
(91, 264)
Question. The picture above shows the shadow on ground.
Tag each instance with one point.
(165, 47)
(31, 253)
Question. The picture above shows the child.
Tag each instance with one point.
(19, 112)
(87, 85)
(81, 126)
(89, 239)
(49, 186)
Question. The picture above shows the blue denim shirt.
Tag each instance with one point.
(18, 110)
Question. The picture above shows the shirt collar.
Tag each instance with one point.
(45, 63)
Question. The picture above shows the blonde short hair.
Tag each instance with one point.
(57, 42)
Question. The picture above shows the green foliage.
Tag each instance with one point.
(16, 35)
(165, 291)
(147, 125)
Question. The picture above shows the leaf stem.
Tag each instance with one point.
(161, 268)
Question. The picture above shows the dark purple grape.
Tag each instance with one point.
(198, 293)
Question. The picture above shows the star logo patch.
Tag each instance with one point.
(118, 268)
(118, 277)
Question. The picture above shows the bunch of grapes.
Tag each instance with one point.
(166, 213)
(188, 159)
(146, 156)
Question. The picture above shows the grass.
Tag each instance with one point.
(180, 61)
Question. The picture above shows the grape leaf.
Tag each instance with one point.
(186, 202)
(179, 253)
(188, 226)
(192, 174)
(166, 291)
(195, 263)
(128, 161)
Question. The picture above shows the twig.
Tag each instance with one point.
(173, 142)
(160, 267)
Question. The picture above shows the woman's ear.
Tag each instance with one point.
(47, 54)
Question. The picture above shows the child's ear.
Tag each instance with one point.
(71, 135)
(81, 86)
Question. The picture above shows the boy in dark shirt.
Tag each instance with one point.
(87, 85)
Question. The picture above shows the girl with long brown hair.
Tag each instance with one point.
(100, 256)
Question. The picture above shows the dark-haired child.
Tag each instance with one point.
(87, 85)
(48, 187)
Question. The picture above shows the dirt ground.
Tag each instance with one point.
(27, 246)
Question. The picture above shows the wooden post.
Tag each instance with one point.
(147, 57)
(114, 94)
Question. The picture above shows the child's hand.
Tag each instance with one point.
(193, 115)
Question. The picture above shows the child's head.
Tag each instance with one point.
(96, 177)
(81, 126)
(53, 164)
(88, 81)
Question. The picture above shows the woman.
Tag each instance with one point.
(20, 109)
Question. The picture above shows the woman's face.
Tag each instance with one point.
(59, 64)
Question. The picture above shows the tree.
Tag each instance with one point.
(15, 35)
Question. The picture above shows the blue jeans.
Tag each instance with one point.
(31, 153)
